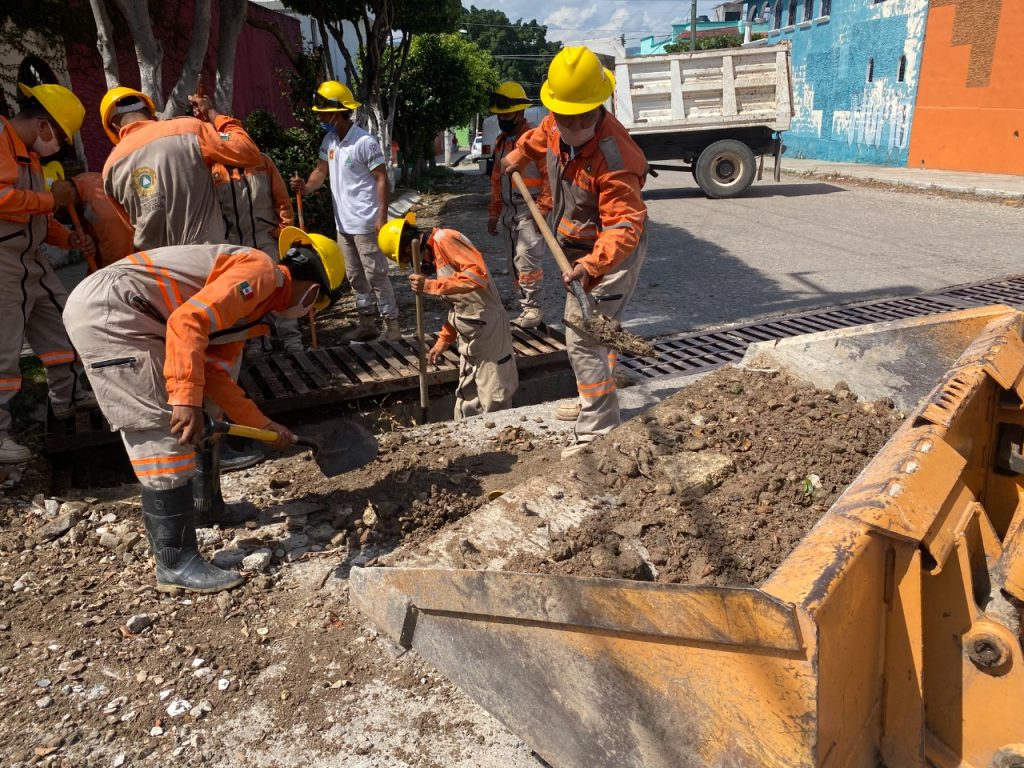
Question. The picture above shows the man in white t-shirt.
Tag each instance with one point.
(361, 189)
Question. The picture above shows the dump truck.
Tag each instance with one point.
(890, 636)
(716, 111)
(713, 113)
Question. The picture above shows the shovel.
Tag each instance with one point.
(596, 328)
(422, 344)
(344, 447)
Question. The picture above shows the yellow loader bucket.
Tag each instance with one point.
(890, 635)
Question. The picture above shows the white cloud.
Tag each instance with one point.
(575, 21)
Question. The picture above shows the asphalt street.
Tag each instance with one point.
(804, 244)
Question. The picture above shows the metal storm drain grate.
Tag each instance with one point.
(697, 352)
(289, 382)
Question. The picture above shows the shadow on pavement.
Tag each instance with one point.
(759, 190)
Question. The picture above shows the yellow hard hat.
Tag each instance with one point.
(111, 99)
(330, 258)
(61, 104)
(390, 236)
(510, 97)
(333, 96)
(53, 171)
(576, 83)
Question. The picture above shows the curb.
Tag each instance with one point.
(983, 192)
(401, 206)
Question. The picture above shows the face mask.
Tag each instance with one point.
(46, 148)
(507, 126)
(305, 303)
(576, 138)
(327, 127)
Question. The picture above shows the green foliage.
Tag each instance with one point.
(447, 80)
(682, 44)
(493, 32)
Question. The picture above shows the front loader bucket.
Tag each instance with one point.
(889, 636)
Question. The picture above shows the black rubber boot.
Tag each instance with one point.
(209, 502)
(171, 530)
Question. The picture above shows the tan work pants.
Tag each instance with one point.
(592, 363)
(31, 304)
(485, 386)
(366, 267)
(524, 250)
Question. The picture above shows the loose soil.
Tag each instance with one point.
(611, 334)
(773, 455)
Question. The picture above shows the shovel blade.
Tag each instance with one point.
(342, 448)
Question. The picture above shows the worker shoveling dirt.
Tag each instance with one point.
(602, 329)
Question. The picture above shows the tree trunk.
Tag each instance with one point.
(105, 42)
(232, 17)
(325, 41)
(148, 51)
(177, 102)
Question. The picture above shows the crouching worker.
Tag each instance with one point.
(159, 333)
(487, 366)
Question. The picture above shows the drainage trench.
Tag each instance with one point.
(379, 383)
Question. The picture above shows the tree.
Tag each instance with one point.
(525, 41)
(134, 22)
(384, 30)
(710, 43)
(446, 81)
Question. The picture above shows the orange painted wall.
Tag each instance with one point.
(977, 127)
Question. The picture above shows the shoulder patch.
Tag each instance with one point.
(246, 290)
(612, 155)
(224, 136)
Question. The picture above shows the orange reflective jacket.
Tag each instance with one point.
(596, 194)
(103, 221)
(503, 191)
(26, 207)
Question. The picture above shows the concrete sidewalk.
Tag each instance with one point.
(981, 184)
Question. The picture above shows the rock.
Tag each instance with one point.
(294, 541)
(57, 527)
(44, 702)
(296, 554)
(178, 707)
(42, 683)
(489, 425)
(208, 537)
(228, 558)
(51, 506)
(108, 518)
(22, 583)
(694, 474)
(200, 709)
(322, 532)
(109, 540)
(370, 516)
(629, 530)
(257, 562)
(138, 623)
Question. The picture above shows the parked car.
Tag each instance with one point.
(476, 148)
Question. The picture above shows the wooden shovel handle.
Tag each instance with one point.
(421, 339)
(76, 223)
(542, 225)
(556, 249)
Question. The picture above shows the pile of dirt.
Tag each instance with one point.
(98, 669)
(717, 484)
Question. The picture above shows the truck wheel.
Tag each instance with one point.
(725, 169)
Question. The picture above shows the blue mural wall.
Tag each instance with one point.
(855, 75)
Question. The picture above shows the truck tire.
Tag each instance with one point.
(725, 169)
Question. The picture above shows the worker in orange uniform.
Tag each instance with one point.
(102, 221)
(601, 217)
(257, 208)
(158, 331)
(520, 238)
(159, 171)
(487, 366)
(31, 295)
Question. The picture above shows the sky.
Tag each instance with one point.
(576, 21)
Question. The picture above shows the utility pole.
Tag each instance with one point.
(693, 25)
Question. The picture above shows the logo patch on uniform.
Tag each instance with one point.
(144, 181)
(224, 136)
(246, 290)
(330, 155)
